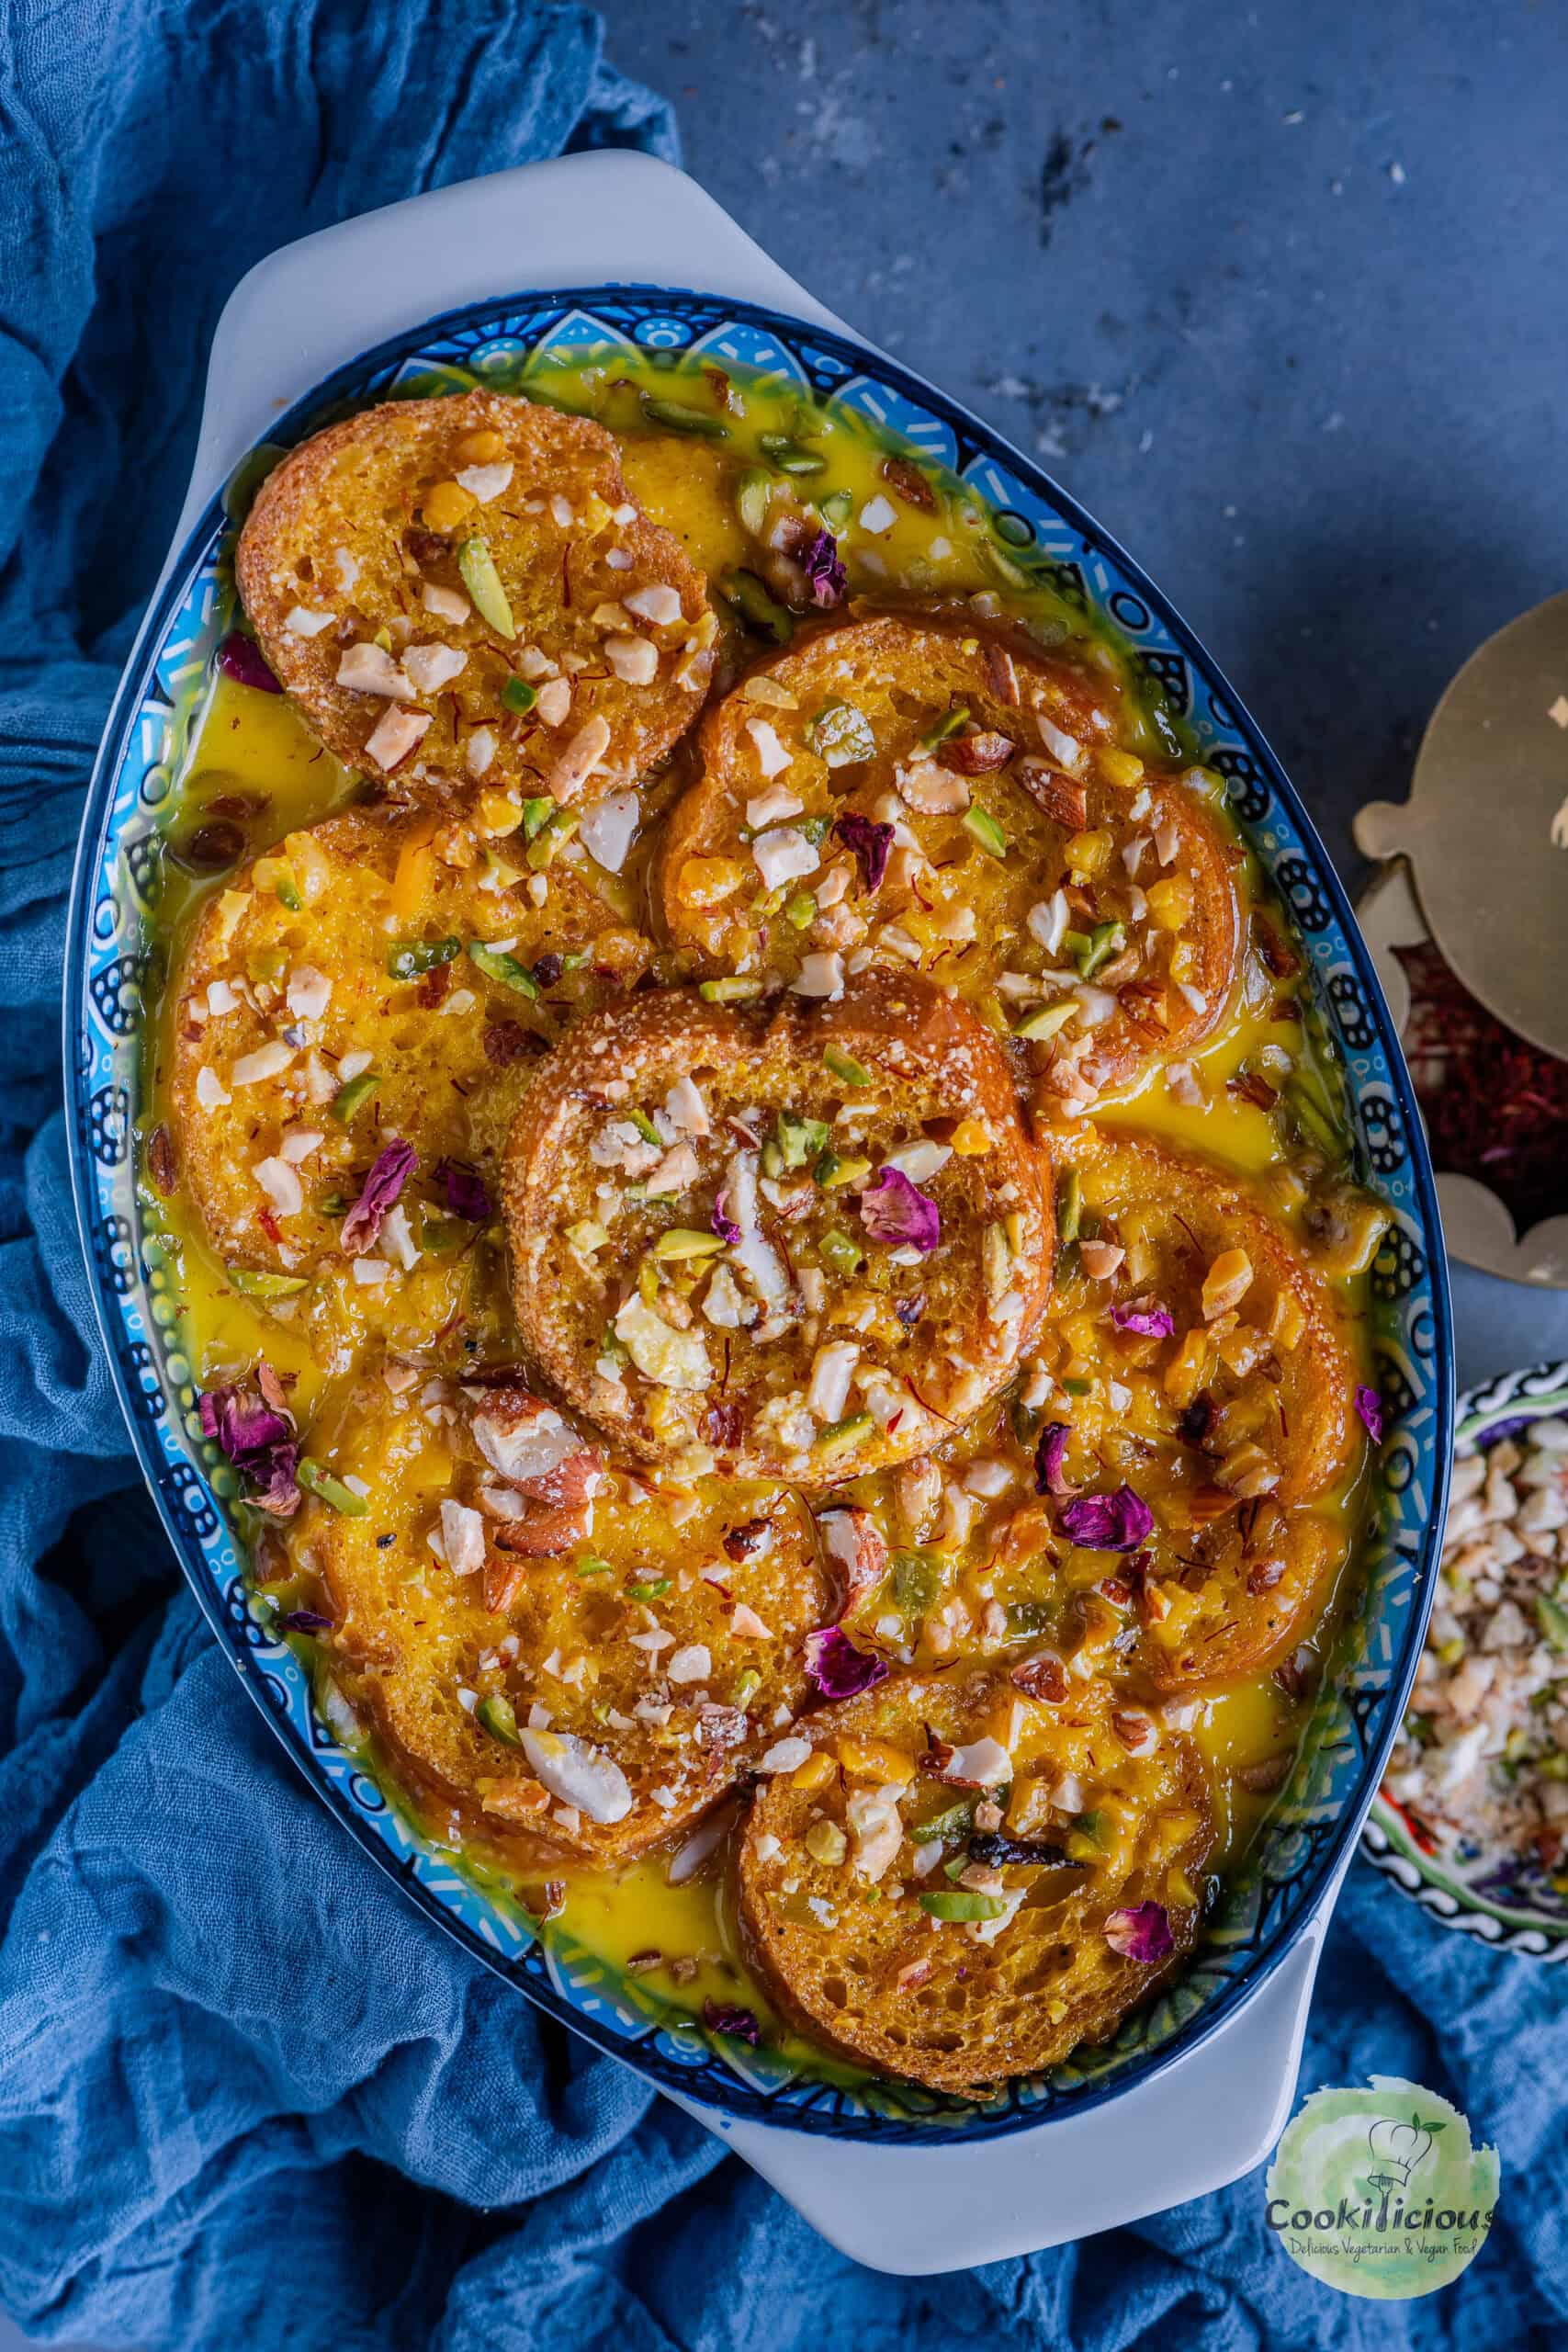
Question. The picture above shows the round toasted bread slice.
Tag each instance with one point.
(1145, 1502)
(330, 1003)
(961, 1896)
(554, 1650)
(794, 1246)
(1257, 1363)
(929, 794)
(1241, 1599)
(464, 592)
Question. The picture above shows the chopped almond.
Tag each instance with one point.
(1226, 1282)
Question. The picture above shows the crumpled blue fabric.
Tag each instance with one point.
(247, 2095)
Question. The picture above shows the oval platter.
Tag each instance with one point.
(1317, 1816)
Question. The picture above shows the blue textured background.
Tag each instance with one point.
(1275, 291)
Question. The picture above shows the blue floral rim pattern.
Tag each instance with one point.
(1318, 1814)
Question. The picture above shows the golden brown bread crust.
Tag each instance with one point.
(1269, 1575)
(453, 1046)
(623, 1633)
(905, 674)
(874, 1979)
(365, 487)
(737, 1338)
(1177, 1214)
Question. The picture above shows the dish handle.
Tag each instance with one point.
(613, 218)
(1196, 2127)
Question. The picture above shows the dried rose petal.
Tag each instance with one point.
(1141, 1933)
(1149, 1321)
(725, 2017)
(275, 1481)
(241, 658)
(723, 1223)
(824, 569)
(386, 1180)
(258, 1440)
(871, 842)
(465, 1195)
(1368, 1404)
(242, 1424)
(836, 1667)
(1050, 1477)
(1117, 1522)
(892, 1209)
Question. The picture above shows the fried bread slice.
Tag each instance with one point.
(1257, 1363)
(373, 978)
(952, 1886)
(463, 591)
(555, 1651)
(1147, 1497)
(796, 1246)
(926, 793)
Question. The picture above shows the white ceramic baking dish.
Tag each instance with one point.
(1196, 2113)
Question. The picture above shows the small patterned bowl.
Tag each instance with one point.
(1296, 1860)
(1496, 1898)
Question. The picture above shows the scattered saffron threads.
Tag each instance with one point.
(1496, 1108)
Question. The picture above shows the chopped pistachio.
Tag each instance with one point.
(552, 837)
(496, 965)
(679, 1242)
(757, 606)
(839, 1436)
(838, 1253)
(1036, 1026)
(839, 734)
(330, 1490)
(410, 957)
(799, 1139)
(481, 578)
(253, 1283)
(981, 825)
(348, 1098)
(497, 1715)
(942, 727)
(752, 497)
(733, 990)
(682, 419)
(844, 1067)
(791, 457)
(959, 1903)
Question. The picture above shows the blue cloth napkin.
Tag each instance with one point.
(246, 2096)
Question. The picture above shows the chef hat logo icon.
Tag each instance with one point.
(1397, 2148)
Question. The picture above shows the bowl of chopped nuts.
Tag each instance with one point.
(1472, 1818)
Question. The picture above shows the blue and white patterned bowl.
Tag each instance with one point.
(1318, 1814)
(1489, 1895)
